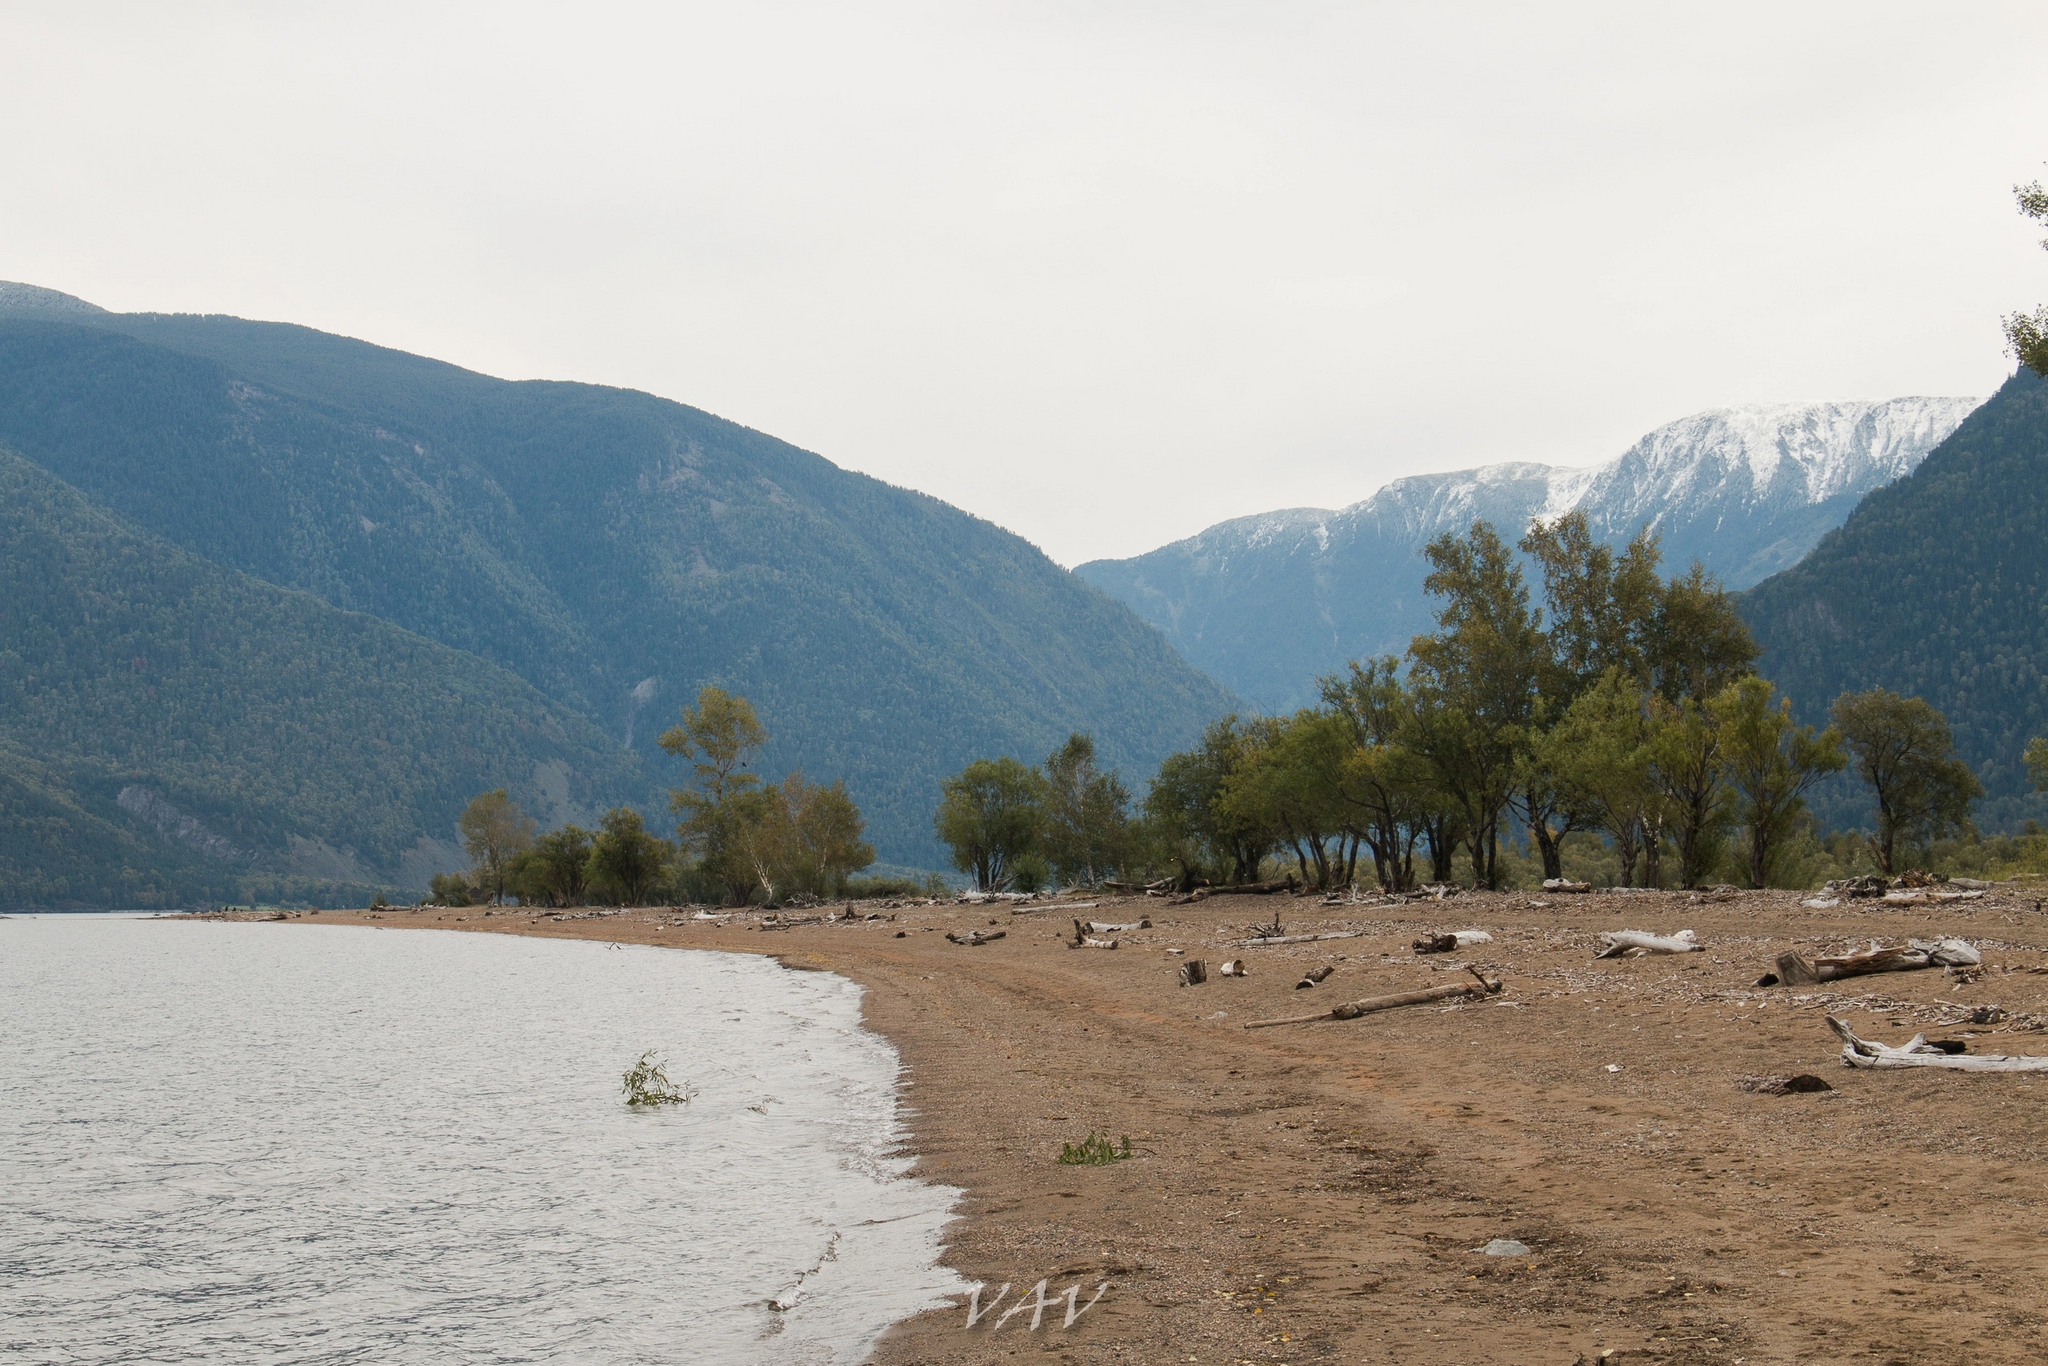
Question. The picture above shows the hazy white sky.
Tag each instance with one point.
(1103, 273)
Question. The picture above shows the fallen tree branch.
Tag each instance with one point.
(974, 939)
(1263, 941)
(1101, 927)
(1313, 976)
(1446, 943)
(1620, 942)
(1482, 986)
(1915, 954)
(1917, 1052)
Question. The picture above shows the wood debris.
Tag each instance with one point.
(1918, 1052)
(1621, 943)
(974, 939)
(1914, 954)
(1480, 987)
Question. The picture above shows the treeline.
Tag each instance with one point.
(1621, 708)
(738, 840)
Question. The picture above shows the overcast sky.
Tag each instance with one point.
(1103, 273)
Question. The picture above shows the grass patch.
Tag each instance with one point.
(1094, 1151)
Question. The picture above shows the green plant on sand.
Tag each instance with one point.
(647, 1084)
(1094, 1151)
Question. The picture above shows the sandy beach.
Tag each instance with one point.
(1319, 1192)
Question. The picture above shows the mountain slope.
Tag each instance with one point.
(614, 549)
(1936, 586)
(172, 731)
(1266, 603)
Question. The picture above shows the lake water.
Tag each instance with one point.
(321, 1144)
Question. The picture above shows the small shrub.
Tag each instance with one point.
(1094, 1151)
(647, 1084)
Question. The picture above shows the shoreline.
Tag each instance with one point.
(1318, 1192)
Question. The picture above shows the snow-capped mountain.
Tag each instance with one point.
(1267, 603)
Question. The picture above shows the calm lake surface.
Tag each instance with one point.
(304, 1143)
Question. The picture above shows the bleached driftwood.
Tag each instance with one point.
(1233, 968)
(974, 939)
(1259, 942)
(1561, 884)
(1101, 927)
(1193, 973)
(976, 898)
(1446, 943)
(1795, 971)
(1089, 943)
(1481, 986)
(1917, 1052)
(1621, 942)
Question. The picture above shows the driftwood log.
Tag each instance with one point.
(1313, 976)
(1620, 942)
(1193, 973)
(1481, 986)
(974, 939)
(1795, 971)
(1447, 943)
(1263, 941)
(1918, 1052)
(1233, 967)
(1102, 927)
(1559, 884)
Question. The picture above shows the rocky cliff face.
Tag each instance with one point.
(1266, 603)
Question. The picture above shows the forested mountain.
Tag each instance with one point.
(1937, 587)
(173, 731)
(1267, 603)
(614, 550)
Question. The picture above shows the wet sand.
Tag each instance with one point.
(1317, 1193)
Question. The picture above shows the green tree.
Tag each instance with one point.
(1902, 748)
(1087, 814)
(2036, 760)
(809, 841)
(1770, 763)
(723, 805)
(1600, 752)
(494, 830)
(1384, 786)
(1686, 744)
(990, 815)
(2028, 336)
(552, 872)
(1292, 785)
(1700, 644)
(626, 862)
(1476, 681)
(1188, 817)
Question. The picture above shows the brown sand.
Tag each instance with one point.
(1316, 1193)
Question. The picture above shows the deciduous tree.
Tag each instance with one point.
(1771, 763)
(494, 830)
(1901, 747)
(990, 816)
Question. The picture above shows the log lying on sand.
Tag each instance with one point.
(1917, 1052)
(1620, 942)
(1481, 986)
(1234, 968)
(1313, 976)
(1559, 884)
(1102, 927)
(1088, 943)
(1795, 971)
(1193, 973)
(1447, 943)
(974, 939)
(1263, 941)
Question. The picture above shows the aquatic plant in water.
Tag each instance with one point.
(647, 1084)
(1094, 1151)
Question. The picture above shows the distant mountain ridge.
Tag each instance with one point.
(613, 550)
(1268, 602)
(1933, 587)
